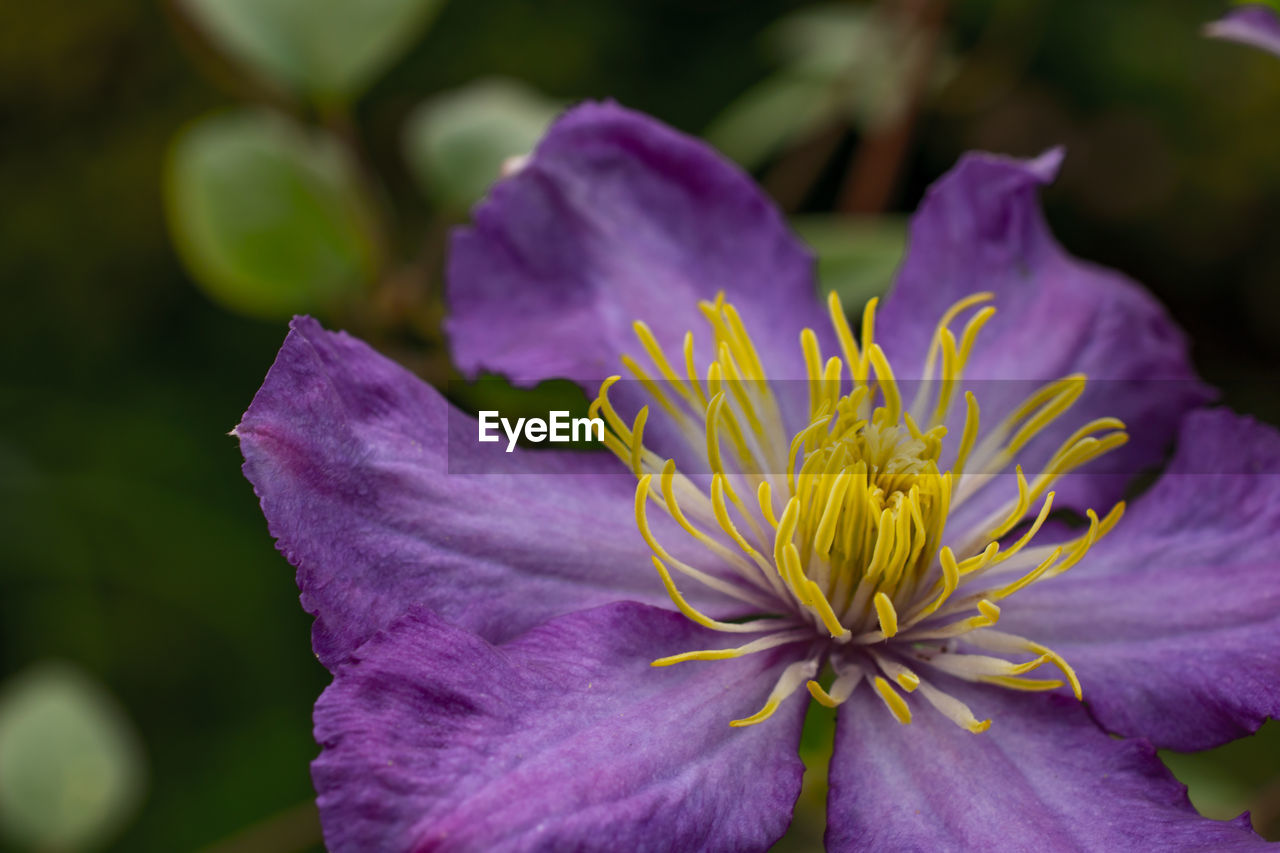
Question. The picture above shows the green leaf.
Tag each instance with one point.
(823, 39)
(857, 257)
(1214, 790)
(71, 768)
(840, 66)
(773, 114)
(329, 50)
(268, 218)
(456, 142)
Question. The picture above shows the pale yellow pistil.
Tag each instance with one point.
(839, 531)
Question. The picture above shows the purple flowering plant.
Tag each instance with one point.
(1256, 24)
(916, 516)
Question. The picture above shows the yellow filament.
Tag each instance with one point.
(970, 431)
(888, 384)
(947, 318)
(1027, 684)
(696, 615)
(792, 677)
(1062, 665)
(659, 358)
(771, 641)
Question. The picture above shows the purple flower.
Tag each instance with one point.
(1256, 24)
(584, 652)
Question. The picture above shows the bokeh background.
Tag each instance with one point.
(178, 178)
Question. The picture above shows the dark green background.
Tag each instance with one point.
(131, 544)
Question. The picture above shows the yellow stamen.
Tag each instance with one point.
(895, 703)
(772, 641)
(792, 677)
(852, 560)
(887, 615)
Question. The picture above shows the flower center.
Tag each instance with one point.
(838, 534)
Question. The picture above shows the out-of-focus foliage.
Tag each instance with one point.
(457, 141)
(269, 217)
(843, 64)
(71, 765)
(327, 50)
(132, 544)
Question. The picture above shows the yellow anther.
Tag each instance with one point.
(822, 696)
(764, 497)
(691, 371)
(831, 514)
(888, 384)
(637, 431)
(979, 561)
(895, 703)
(970, 432)
(1063, 667)
(819, 602)
(659, 358)
(868, 339)
(887, 615)
(1015, 515)
(947, 318)
(970, 333)
(747, 349)
(1045, 509)
(852, 355)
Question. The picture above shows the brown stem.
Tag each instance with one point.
(869, 184)
(293, 829)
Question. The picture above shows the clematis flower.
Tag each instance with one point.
(1255, 24)
(603, 651)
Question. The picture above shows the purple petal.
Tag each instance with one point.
(1173, 621)
(348, 453)
(564, 739)
(1043, 777)
(616, 218)
(1254, 24)
(980, 228)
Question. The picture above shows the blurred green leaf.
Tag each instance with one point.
(775, 113)
(857, 257)
(330, 50)
(1241, 775)
(839, 65)
(824, 40)
(457, 142)
(71, 768)
(1216, 791)
(268, 217)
